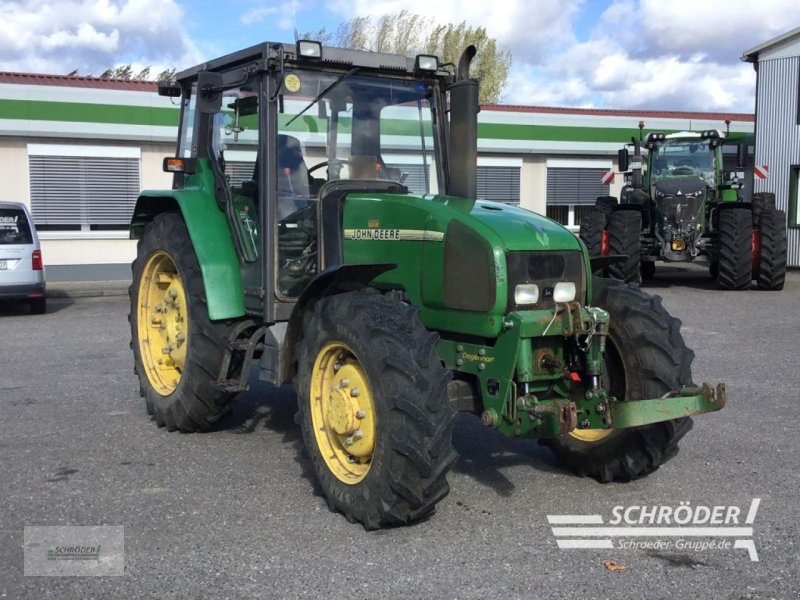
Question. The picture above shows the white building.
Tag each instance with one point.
(77, 150)
(777, 65)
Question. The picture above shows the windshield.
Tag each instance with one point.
(360, 127)
(684, 158)
(14, 228)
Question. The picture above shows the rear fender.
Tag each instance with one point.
(211, 240)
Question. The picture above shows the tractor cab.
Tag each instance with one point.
(289, 129)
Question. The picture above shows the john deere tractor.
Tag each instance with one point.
(682, 204)
(323, 227)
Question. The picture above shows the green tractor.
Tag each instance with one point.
(682, 204)
(291, 240)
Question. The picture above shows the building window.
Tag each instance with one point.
(414, 177)
(499, 183)
(794, 196)
(239, 171)
(83, 187)
(572, 188)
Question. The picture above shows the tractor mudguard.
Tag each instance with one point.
(630, 206)
(211, 240)
(333, 280)
(597, 263)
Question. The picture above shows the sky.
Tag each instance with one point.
(643, 54)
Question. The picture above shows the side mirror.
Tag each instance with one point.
(622, 160)
(170, 89)
(209, 92)
(741, 155)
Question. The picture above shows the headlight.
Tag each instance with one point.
(564, 292)
(426, 62)
(309, 49)
(526, 293)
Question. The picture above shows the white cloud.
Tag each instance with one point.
(92, 35)
(283, 13)
(528, 29)
(681, 55)
(258, 14)
(717, 28)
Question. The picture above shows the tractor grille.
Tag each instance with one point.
(680, 210)
(545, 269)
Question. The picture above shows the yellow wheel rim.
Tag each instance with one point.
(590, 435)
(343, 413)
(162, 323)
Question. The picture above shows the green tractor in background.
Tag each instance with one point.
(290, 241)
(681, 204)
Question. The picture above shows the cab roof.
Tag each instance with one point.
(341, 58)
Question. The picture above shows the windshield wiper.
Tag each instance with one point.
(341, 78)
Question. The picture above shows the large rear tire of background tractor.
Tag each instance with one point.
(646, 357)
(771, 267)
(373, 408)
(592, 230)
(606, 203)
(735, 249)
(177, 350)
(624, 231)
(760, 202)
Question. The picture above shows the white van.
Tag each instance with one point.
(21, 268)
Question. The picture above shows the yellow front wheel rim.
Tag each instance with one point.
(343, 413)
(163, 323)
(590, 435)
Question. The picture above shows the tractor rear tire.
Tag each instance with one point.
(735, 249)
(593, 225)
(395, 470)
(186, 398)
(760, 202)
(606, 203)
(624, 231)
(646, 357)
(772, 263)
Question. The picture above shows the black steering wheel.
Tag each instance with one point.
(683, 170)
(336, 162)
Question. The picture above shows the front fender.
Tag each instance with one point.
(333, 280)
(211, 240)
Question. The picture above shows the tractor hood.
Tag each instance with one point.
(521, 229)
(680, 186)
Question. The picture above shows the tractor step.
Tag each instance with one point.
(245, 338)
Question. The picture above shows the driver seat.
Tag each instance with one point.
(293, 178)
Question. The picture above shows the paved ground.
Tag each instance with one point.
(231, 514)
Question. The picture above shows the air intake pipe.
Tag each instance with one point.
(463, 138)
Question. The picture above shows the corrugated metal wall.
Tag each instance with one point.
(778, 134)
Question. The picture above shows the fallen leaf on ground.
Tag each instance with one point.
(613, 566)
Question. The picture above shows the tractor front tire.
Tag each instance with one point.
(735, 249)
(772, 252)
(592, 230)
(645, 357)
(373, 408)
(177, 349)
(624, 237)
